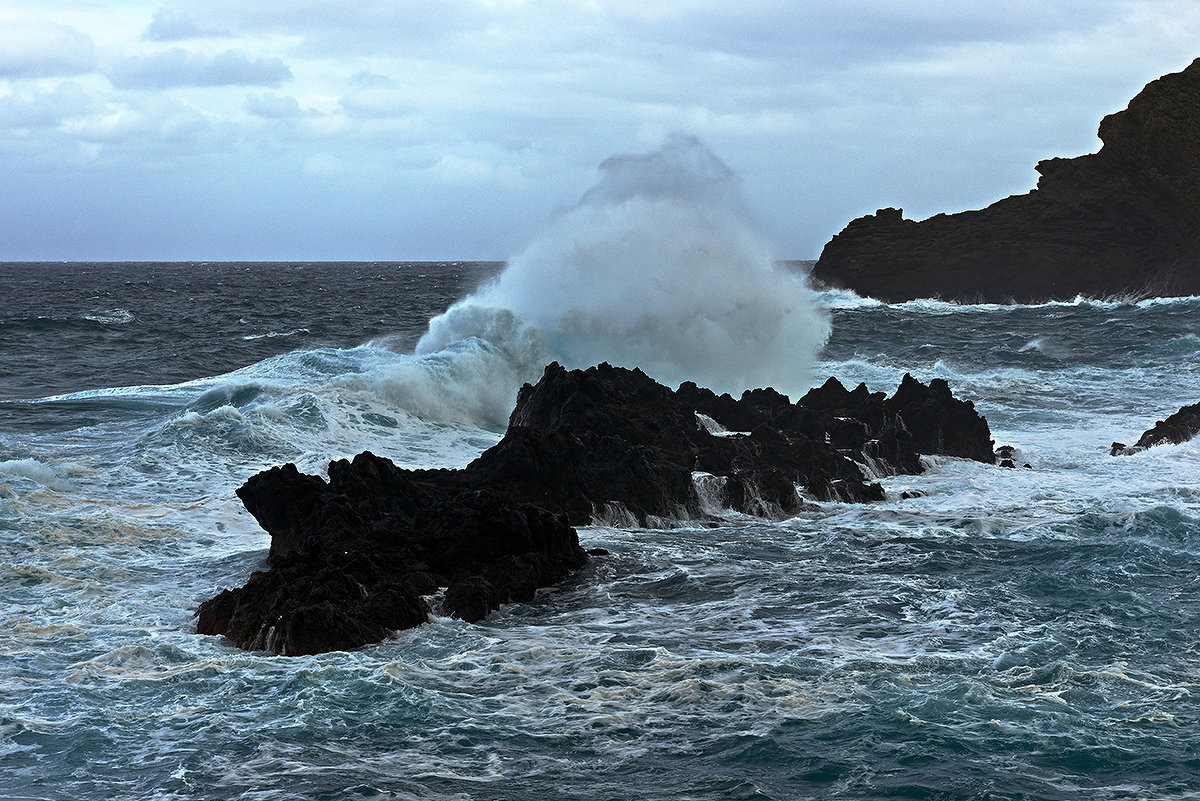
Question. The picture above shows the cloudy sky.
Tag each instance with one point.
(454, 129)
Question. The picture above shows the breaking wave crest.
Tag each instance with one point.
(657, 267)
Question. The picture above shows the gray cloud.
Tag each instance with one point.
(44, 109)
(369, 80)
(381, 100)
(453, 132)
(365, 26)
(147, 123)
(833, 33)
(172, 25)
(273, 106)
(37, 49)
(179, 67)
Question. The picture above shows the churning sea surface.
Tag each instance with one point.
(1006, 634)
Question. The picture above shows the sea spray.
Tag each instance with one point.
(657, 267)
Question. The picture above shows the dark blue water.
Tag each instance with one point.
(1027, 634)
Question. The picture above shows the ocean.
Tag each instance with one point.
(1005, 634)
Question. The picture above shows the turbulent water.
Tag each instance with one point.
(1008, 634)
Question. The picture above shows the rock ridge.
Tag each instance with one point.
(1124, 221)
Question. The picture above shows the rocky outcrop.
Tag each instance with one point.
(1122, 221)
(356, 556)
(1179, 427)
(352, 558)
(607, 442)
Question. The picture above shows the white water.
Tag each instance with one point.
(962, 639)
(657, 268)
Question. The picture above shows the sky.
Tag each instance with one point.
(457, 129)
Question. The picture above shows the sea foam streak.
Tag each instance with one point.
(656, 268)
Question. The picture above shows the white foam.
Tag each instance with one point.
(708, 489)
(276, 334)
(110, 317)
(35, 471)
(846, 299)
(716, 429)
(656, 268)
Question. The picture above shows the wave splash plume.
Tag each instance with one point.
(656, 267)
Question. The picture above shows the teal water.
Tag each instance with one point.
(1009, 634)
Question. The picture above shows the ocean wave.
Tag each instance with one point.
(846, 300)
(85, 321)
(110, 317)
(655, 268)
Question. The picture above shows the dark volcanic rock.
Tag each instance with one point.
(352, 558)
(586, 442)
(939, 422)
(607, 441)
(1179, 427)
(1124, 220)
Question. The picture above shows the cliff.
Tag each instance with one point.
(1122, 221)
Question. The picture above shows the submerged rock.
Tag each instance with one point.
(1122, 221)
(1179, 427)
(356, 556)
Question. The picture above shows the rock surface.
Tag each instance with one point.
(354, 557)
(1122, 221)
(1179, 427)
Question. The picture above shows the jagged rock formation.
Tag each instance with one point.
(1179, 427)
(612, 442)
(1122, 221)
(354, 557)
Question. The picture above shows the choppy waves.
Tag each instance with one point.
(842, 653)
(982, 633)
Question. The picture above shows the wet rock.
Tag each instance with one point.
(471, 599)
(1178, 428)
(940, 423)
(373, 541)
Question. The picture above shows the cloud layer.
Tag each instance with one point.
(377, 129)
(33, 48)
(178, 67)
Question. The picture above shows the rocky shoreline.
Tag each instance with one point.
(358, 556)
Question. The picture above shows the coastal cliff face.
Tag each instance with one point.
(1123, 220)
